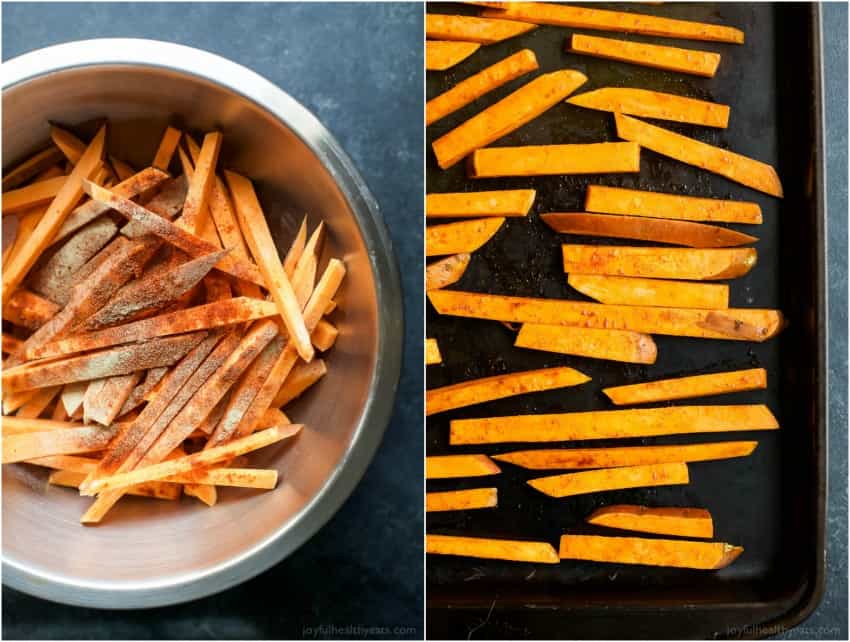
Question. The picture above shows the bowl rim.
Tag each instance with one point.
(369, 431)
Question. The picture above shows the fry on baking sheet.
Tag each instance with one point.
(651, 552)
(510, 202)
(451, 466)
(654, 104)
(473, 498)
(432, 352)
(627, 290)
(447, 271)
(475, 391)
(471, 29)
(612, 424)
(604, 479)
(443, 54)
(612, 345)
(460, 237)
(494, 549)
(679, 522)
(688, 387)
(542, 160)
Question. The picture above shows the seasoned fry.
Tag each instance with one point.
(494, 549)
(172, 233)
(659, 262)
(654, 104)
(432, 352)
(29, 310)
(613, 345)
(447, 271)
(137, 397)
(27, 425)
(730, 326)
(612, 424)
(683, 322)
(624, 290)
(736, 167)
(689, 387)
(542, 160)
(30, 167)
(595, 481)
(166, 149)
(510, 113)
(478, 391)
(450, 466)
(183, 465)
(157, 490)
(578, 458)
(324, 336)
(457, 238)
(59, 208)
(63, 441)
(443, 54)
(152, 292)
(37, 404)
(479, 84)
(256, 231)
(686, 233)
(201, 182)
(296, 249)
(616, 200)
(304, 275)
(510, 202)
(105, 363)
(471, 29)
(33, 195)
(461, 500)
(11, 345)
(72, 396)
(563, 15)
(201, 317)
(302, 377)
(110, 398)
(688, 61)
(651, 552)
(680, 522)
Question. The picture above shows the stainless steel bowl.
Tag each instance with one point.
(151, 553)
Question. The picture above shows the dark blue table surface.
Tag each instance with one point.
(359, 68)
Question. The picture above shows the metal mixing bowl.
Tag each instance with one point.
(151, 553)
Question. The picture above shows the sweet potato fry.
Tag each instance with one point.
(478, 391)
(650, 552)
(304, 275)
(680, 522)
(494, 549)
(624, 290)
(450, 466)
(324, 336)
(595, 481)
(443, 54)
(509, 202)
(122, 170)
(295, 249)
(457, 238)
(102, 403)
(654, 104)
(166, 149)
(736, 167)
(56, 278)
(197, 197)
(689, 387)
(563, 15)
(204, 458)
(612, 424)
(72, 396)
(302, 377)
(69, 463)
(71, 146)
(57, 211)
(104, 363)
(479, 84)
(686, 233)
(659, 262)
(31, 166)
(152, 292)
(128, 188)
(688, 61)
(64, 441)
(29, 310)
(617, 200)
(27, 222)
(254, 227)
(33, 195)
(37, 404)
(172, 233)
(579, 458)
(11, 345)
(461, 499)
(613, 345)
(472, 29)
(27, 425)
(446, 271)
(201, 317)
(157, 490)
(542, 160)
(432, 352)
(682, 322)
(137, 397)
(730, 326)
(510, 113)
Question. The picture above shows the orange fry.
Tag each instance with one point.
(471, 29)
(432, 352)
(494, 549)
(461, 500)
(31, 166)
(542, 160)
(624, 290)
(442, 54)
(450, 466)
(651, 552)
(595, 481)
(689, 387)
(654, 104)
(681, 522)
(510, 202)
(33, 195)
(613, 345)
(166, 149)
(688, 61)
(457, 238)
(446, 272)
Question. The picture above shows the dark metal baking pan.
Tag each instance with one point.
(771, 502)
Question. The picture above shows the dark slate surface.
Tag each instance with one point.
(359, 69)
